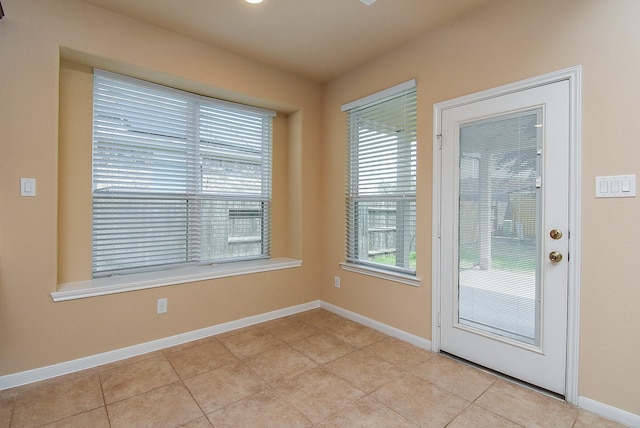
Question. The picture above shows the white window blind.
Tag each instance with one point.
(381, 180)
(178, 179)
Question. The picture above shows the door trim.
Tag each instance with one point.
(574, 76)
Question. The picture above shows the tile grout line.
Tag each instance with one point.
(181, 380)
(104, 400)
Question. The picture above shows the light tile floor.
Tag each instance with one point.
(310, 369)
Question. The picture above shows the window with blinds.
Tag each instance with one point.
(381, 179)
(178, 179)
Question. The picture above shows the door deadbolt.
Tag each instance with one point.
(555, 234)
(555, 256)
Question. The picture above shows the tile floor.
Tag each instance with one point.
(310, 369)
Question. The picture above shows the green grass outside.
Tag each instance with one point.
(390, 260)
(508, 254)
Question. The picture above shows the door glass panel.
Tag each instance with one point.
(499, 226)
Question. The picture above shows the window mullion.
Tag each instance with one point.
(194, 184)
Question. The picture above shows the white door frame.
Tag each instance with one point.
(574, 76)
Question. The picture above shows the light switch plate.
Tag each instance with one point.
(27, 187)
(616, 186)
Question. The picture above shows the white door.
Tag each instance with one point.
(504, 233)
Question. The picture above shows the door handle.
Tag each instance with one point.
(555, 234)
(555, 257)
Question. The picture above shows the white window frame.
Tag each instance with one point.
(181, 166)
(404, 193)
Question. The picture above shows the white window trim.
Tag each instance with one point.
(111, 85)
(142, 281)
(382, 274)
(369, 99)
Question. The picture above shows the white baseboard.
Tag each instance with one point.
(609, 412)
(36, 375)
(376, 325)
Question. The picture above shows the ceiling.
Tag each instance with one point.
(316, 39)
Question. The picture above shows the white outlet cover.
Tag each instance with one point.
(27, 187)
(162, 306)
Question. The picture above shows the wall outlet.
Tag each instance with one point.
(336, 281)
(162, 306)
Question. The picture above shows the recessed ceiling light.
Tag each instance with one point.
(368, 2)
(254, 1)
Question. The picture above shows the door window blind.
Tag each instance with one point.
(381, 179)
(178, 179)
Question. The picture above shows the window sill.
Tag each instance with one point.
(382, 274)
(142, 281)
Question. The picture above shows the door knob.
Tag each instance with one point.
(555, 256)
(555, 234)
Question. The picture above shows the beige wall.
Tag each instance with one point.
(504, 42)
(34, 331)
